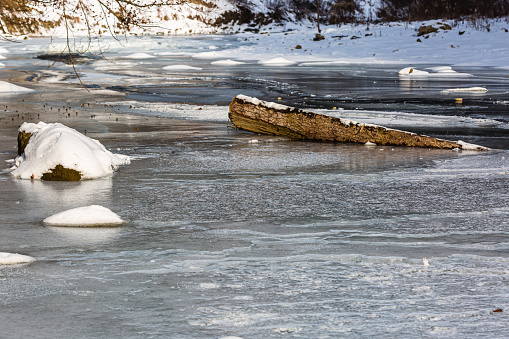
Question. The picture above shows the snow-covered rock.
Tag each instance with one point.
(14, 259)
(56, 144)
(410, 71)
(89, 216)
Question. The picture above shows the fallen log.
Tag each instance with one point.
(263, 117)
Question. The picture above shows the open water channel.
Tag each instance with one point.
(234, 234)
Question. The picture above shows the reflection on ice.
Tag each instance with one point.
(80, 236)
(53, 197)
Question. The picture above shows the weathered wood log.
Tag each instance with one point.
(262, 117)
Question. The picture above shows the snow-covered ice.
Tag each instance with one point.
(88, 216)
(139, 56)
(466, 90)
(8, 88)
(14, 259)
(277, 62)
(227, 62)
(56, 144)
(181, 68)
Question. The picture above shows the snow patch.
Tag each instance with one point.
(56, 144)
(180, 68)
(7, 87)
(466, 90)
(139, 56)
(277, 62)
(89, 216)
(14, 259)
(227, 62)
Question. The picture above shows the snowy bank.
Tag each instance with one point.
(55, 144)
(14, 259)
(8, 88)
(89, 216)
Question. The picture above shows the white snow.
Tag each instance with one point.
(466, 90)
(139, 56)
(89, 216)
(268, 104)
(56, 144)
(7, 87)
(277, 62)
(180, 68)
(2, 65)
(227, 62)
(440, 71)
(14, 259)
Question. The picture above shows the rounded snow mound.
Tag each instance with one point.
(14, 259)
(277, 62)
(180, 68)
(139, 56)
(89, 216)
(56, 144)
(227, 62)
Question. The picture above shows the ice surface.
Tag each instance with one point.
(89, 216)
(56, 144)
(14, 259)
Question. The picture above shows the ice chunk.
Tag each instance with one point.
(89, 216)
(55, 144)
(14, 259)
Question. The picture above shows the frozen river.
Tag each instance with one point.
(235, 234)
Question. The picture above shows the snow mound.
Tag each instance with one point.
(2, 57)
(7, 87)
(412, 72)
(139, 56)
(466, 90)
(277, 62)
(227, 62)
(3, 50)
(89, 216)
(56, 144)
(14, 259)
(440, 71)
(181, 68)
(2, 65)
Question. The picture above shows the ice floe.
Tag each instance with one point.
(56, 144)
(88, 216)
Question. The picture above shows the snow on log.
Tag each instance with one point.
(262, 117)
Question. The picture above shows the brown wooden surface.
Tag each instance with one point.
(299, 124)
